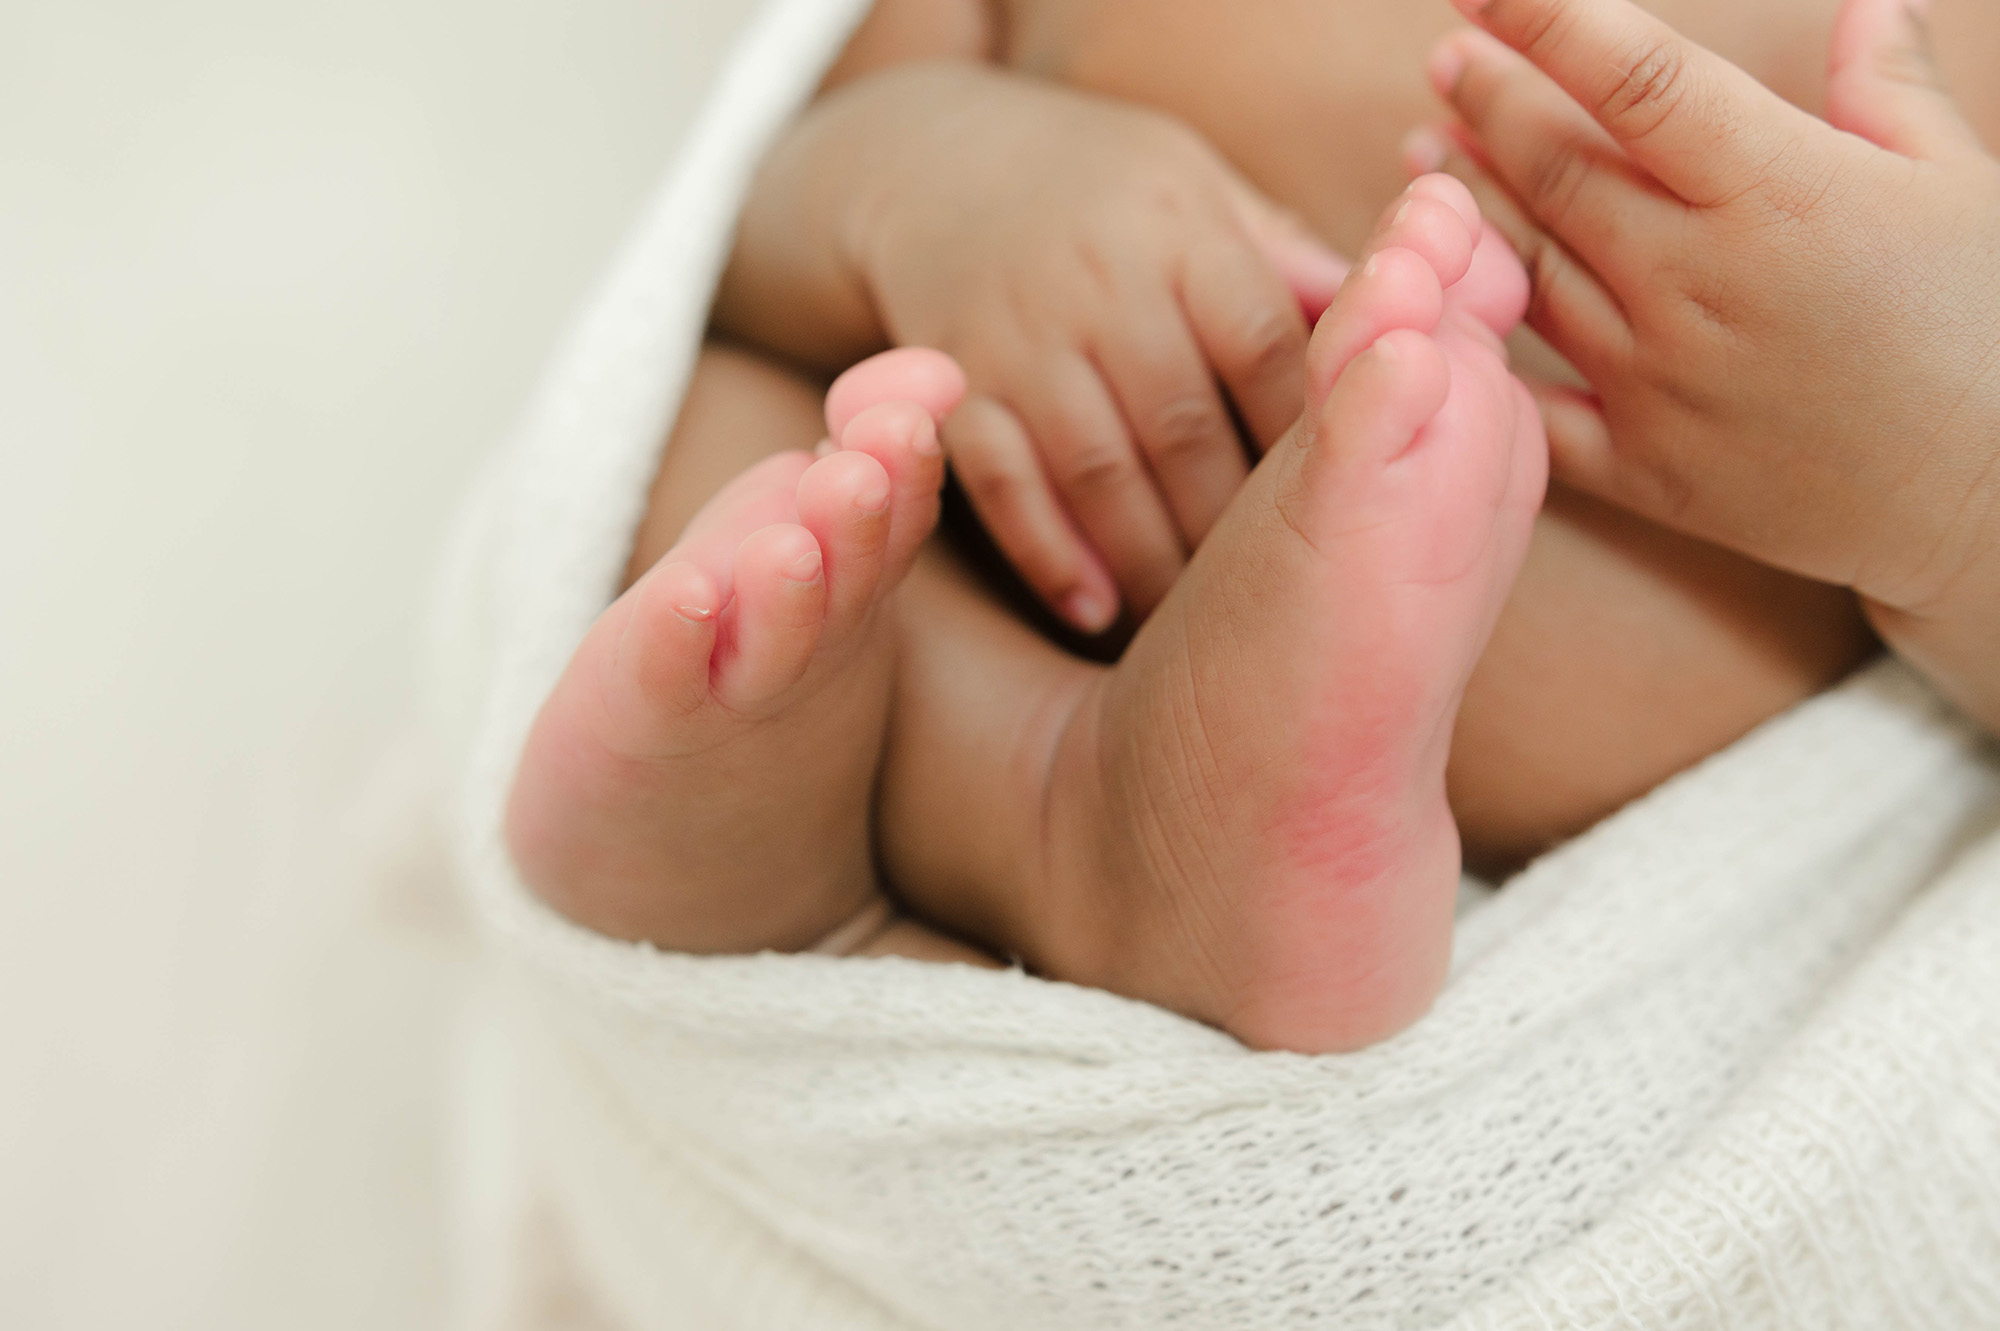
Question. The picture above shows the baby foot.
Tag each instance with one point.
(1247, 817)
(701, 776)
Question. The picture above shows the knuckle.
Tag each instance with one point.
(1704, 308)
(1795, 193)
(1652, 85)
(997, 486)
(1094, 468)
(1183, 426)
(1544, 262)
(1666, 478)
(1543, 26)
(1557, 180)
(1270, 341)
(1097, 262)
(1710, 310)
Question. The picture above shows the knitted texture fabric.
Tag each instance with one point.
(1731, 1059)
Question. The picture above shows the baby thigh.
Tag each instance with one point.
(1626, 654)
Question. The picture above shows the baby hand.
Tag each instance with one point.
(1793, 332)
(1113, 289)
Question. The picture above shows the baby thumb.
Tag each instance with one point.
(1307, 264)
(1883, 81)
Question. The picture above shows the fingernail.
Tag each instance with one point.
(1445, 66)
(873, 500)
(1424, 151)
(926, 444)
(694, 614)
(1373, 265)
(805, 568)
(825, 448)
(1402, 212)
(1089, 611)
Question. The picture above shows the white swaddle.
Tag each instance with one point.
(1730, 1059)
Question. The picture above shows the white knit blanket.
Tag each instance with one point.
(1730, 1059)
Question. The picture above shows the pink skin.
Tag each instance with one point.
(662, 791)
(1788, 324)
(1351, 590)
(1245, 819)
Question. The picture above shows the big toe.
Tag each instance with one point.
(1393, 289)
(928, 378)
(902, 436)
(845, 500)
(1435, 217)
(1384, 399)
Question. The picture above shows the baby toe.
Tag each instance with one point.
(844, 500)
(1385, 398)
(903, 437)
(774, 623)
(928, 378)
(1393, 289)
(1428, 227)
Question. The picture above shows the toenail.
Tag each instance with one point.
(1373, 266)
(805, 568)
(873, 500)
(926, 444)
(1403, 212)
(695, 614)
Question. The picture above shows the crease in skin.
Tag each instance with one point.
(1194, 918)
(1062, 718)
(1349, 825)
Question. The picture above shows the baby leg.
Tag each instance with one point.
(701, 776)
(1245, 820)
(1628, 653)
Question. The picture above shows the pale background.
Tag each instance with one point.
(273, 275)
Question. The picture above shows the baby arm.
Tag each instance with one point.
(1792, 327)
(1118, 296)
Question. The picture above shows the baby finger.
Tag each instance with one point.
(1568, 305)
(1103, 480)
(1171, 399)
(1253, 332)
(1001, 473)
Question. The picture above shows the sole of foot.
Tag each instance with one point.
(1246, 817)
(701, 776)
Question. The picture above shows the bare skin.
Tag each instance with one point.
(1228, 799)
(1628, 651)
(1355, 578)
(1318, 924)
(1666, 197)
(719, 728)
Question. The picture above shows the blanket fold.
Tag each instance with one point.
(1730, 1059)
